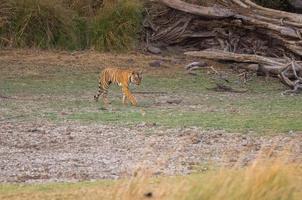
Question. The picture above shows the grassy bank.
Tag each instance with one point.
(265, 180)
(70, 24)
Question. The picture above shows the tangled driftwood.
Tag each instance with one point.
(235, 30)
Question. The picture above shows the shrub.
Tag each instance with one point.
(116, 25)
(5, 12)
(85, 8)
(40, 23)
(106, 25)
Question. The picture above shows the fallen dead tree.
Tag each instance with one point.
(228, 22)
(290, 73)
(264, 64)
(234, 30)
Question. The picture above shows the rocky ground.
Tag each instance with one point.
(43, 152)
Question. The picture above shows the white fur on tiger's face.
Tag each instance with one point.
(136, 78)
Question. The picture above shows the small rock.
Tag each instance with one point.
(244, 143)
(33, 130)
(153, 49)
(155, 63)
(130, 61)
(253, 67)
(174, 101)
(195, 140)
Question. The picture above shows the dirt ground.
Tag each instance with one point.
(50, 147)
(69, 152)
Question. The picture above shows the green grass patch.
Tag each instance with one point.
(62, 97)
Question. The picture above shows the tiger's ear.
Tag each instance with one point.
(140, 71)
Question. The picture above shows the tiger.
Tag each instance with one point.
(121, 77)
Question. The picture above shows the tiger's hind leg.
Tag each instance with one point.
(104, 93)
(100, 92)
(105, 96)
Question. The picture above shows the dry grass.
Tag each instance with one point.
(269, 180)
(5, 13)
(85, 8)
(263, 180)
(70, 24)
(38, 23)
(116, 25)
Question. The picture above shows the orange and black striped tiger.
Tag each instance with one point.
(122, 77)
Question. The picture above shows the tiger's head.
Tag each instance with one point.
(136, 77)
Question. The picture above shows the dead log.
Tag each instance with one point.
(232, 30)
(229, 56)
(210, 12)
(260, 64)
(289, 74)
(187, 24)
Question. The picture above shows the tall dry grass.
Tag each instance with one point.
(70, 24)
(39, 23)
(116, 25)
(85, 8)
(263, 180)
(5, 12)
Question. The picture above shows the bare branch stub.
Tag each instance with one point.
(289, 77)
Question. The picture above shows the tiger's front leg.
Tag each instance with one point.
(127, 94)
(125, 102)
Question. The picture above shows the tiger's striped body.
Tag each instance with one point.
(122, 77)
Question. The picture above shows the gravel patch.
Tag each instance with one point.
(72, 152)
